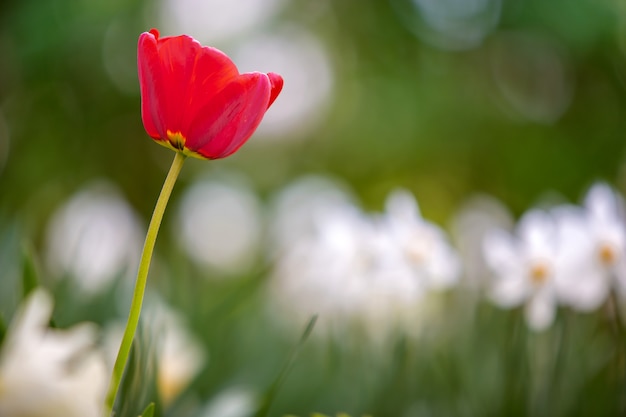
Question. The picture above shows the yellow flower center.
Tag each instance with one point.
(539, 273)
(177, 140)
(607, 254)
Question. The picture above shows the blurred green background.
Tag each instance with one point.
(535, 103)
(512, 98)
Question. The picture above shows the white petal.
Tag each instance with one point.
(94, 237)
(602, 201)
(46, 371)
(444, 267)
(573, 229)
(231, 402)
(501, 252)
(510, 291)
(537, 230)
(297, 208)
(401, 205)
(219, 224)
(584, 290)
(31, 319)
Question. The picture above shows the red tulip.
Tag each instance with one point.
(194, 100)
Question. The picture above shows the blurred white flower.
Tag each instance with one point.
(94, 237)
(357, 270)
(303, 61)
(219, 224)
(214, 21)
(50, 372)
(320, 272)
(393, 287)
(231, 402)
(180, 356)
(423, 245)
(525, 266)
(298, 209)
(593, 248)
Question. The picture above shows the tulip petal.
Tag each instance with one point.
(276, 82)
(151, 85)
(230, 118)
(178, 55)
(212, 72)
(178, 77)
(193, 74)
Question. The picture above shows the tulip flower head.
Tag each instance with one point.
(193, 99)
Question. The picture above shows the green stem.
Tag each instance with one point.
(140, 284)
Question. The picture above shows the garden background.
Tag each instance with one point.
(520, 100)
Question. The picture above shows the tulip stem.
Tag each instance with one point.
(140, 284)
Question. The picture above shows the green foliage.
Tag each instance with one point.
(275, 387)
(149, 411)
(3, 329)
(11, 278)
(30, 273)
(139, 382)
(324, 415)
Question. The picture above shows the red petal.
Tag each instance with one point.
(177, 79)
(231, 117)
(151, 85)
(212, 71)
(193, 74)
(277, 85)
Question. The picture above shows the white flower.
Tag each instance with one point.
(232, 402)
(50, 372)
(219, 225)
(393, 289)
(179, 354)
(299, 208)
(301, 57)
(422, 244)
(525, 267)
(593, 248)
(360, 270)
(321, 272)
(212, 21)
(94, 237)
